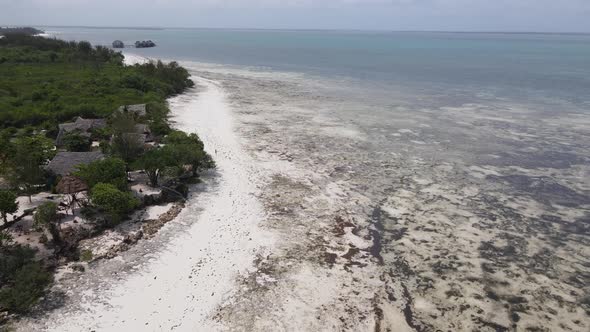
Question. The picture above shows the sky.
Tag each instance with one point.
(432, 15)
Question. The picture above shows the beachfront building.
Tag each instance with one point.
(64, 163)
(81, 125)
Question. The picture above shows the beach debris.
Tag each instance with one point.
(151, 227)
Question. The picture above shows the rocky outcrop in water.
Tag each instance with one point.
(118, 44)
(144, 44)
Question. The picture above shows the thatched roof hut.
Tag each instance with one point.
(84, 126)
(70, 184)
(66, 162)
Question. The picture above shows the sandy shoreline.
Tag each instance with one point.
(182, 283)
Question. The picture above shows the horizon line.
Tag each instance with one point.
(316, 29)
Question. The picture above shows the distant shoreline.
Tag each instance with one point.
(496, 32)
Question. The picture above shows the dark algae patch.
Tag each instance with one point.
(376, 234)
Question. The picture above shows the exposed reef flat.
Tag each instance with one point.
(467, 216)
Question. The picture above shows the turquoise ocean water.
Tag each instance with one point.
(504, 64)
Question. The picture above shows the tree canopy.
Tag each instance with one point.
(46, 81)
(8, 204)
(188, 149)
(46, 217)
(30, 153)
(76, 142)
(113, 201)
(155, 162)
(110, 170)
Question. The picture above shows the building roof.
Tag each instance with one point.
(82, 125)
(138, 109)
(66, 162)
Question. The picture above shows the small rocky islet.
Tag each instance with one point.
(138, 44)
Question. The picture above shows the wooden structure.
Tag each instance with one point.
(71, 185)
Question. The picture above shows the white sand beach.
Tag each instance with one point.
(193, 272)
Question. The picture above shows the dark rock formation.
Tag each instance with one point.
(144, 44)
(69, 241)
(118, 44)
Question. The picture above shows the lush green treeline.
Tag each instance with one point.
(46, 81)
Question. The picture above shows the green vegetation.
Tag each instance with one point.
(20, 30)
(158, 119)
(155, 162)
(86, 255)
(5, 239)
(45, 82)
(189, 150)
(110, 170)
(23, 278)
(46, 217)
(181, 150)
(8, 204)
(27, 284)
(114, 202)
(76, 142)
(125, 143)
(28, 153)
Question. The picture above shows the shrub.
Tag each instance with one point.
(113, 201)
(5, 239)
(8, 204)
(46, 213)
(84, 47)
(46, 217)
(28, 284)
(111, 170)
(23, 279)
(12, 259)
(29, 154)
(76, 142)
(86, 255)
